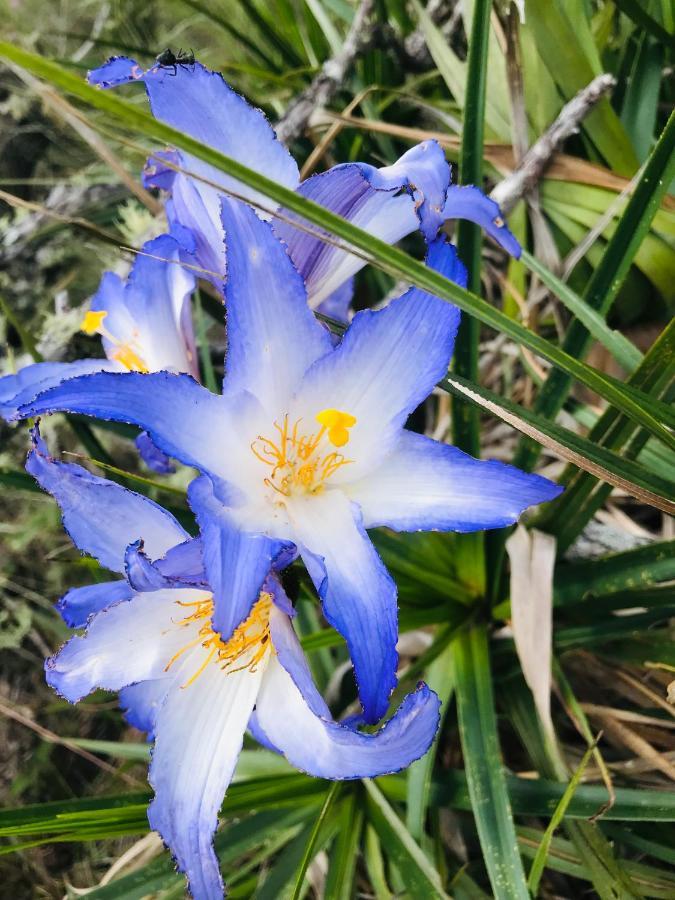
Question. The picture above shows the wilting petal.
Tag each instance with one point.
(358, 594)
(426, 485)
(389, 203)
(79, 603)
(184, 419)
(470, 203)
(199, 731)
(272, 336)
(101, 517)
(236, 561)
(386, 364)
(200, 104)
(15, 390)
(125, 643)
(326, 749)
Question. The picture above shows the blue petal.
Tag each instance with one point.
(200, 104)
(140, 703)
(236, 561)
(101, 517)
(426, 485)
(184, 419)
(128, 642)
(359, 596)
(15, 390)
(389, 203)
(198, 737)
(326, 749)
(291, 656)
(116, 70)
(387, 363)
(79, 603)
(152, 456)
(470, 203)
(141, 573)
(151, 314)
(259, 735)
(336, 305)
(272, 336)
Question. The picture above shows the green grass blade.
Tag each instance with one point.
(419, 876)
(389, 259)
(342, 868)
(310, 849)
(485, 777)
(635, 10)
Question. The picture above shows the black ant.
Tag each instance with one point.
(168, 60)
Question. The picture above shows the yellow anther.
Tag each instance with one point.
(337, 424)
(93, 321)
(129, 359)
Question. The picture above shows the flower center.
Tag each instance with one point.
(244, 650)
(300, 462)
(124, 353)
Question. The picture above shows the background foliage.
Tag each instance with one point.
(503, 805)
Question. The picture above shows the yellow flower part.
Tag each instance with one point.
(93, 322)
(337, 424)
(129, 359)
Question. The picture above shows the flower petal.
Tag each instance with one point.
(79, 603)
(150, 314)
(359, 596)
(125, 643)
(326, 749)
(291, 656)
(387, 362)
(236, 561)
(152, 456)
(140, 703)
(199, 103)
(425, 485)
(272, 336)
(199, 731)
(469, 202)
(184, 419)
(15, 390)
(389, 203)
(101, 517)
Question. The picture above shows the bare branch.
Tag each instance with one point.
(331, 77)
(509, 191)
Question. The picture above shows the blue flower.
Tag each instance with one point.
(389, 202)
(145, 325)
(192, 691)
(307, 445)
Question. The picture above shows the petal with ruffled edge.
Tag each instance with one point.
(101, 517)
(199, 103)
(184, 419)
(272, 336)
(15, 390)
(150, 313)
(426, 485)
(236, 561)
(469, 202)
(326, 749)
(79, 603)
(390, 203)
(358, 594)
(199, 732)
(387, 362)
(124, 644)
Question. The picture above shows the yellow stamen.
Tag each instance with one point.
(337, 423)
(247, 645)
(129, 359)
(93, 322)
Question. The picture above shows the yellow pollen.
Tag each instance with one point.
(247, 646)
(92, 322)
(298, 461)
(337, 423)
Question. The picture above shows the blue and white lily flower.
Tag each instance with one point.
(307, 445)
(193, 692)
(145, 325)
(390, 202)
